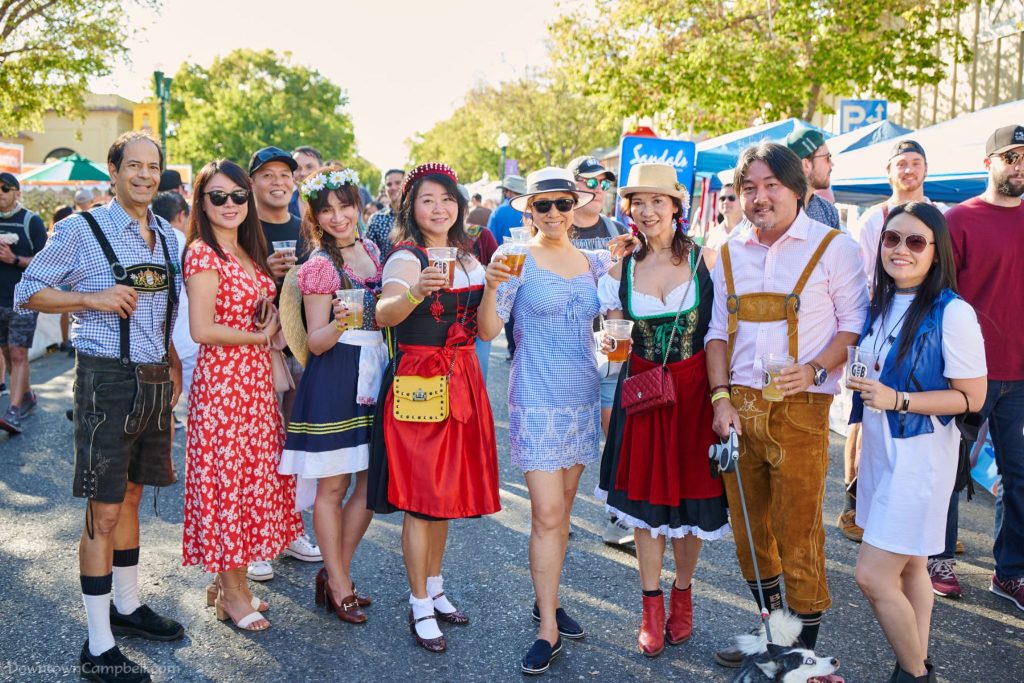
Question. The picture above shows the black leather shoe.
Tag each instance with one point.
(538, 659)
(567, 626)
(145, 623)
(110, 667)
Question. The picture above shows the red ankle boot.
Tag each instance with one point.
(680, 615)
(652, 627)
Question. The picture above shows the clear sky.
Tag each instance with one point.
(405, 64)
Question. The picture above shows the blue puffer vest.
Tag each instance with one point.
(922, 369)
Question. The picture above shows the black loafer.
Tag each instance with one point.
(567, 626)
(145, 623)
(538, 659)
(110, 667)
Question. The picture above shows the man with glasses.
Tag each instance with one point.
(988, 247)
(22, 236)
(731, 212)
(809, 145)
(592, 229)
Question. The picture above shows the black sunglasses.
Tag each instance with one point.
(727, 198)
(915, 242)
(220, 197)
(563, 205)
(6, 188)
(592, 184)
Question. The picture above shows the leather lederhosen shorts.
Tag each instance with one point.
(123, 427)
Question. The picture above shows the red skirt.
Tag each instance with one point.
(664, 453)
(444, 469)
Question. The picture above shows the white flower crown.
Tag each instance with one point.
(331, 180)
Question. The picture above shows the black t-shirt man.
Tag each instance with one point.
(598, 235)
(279, 232)
(25, 238)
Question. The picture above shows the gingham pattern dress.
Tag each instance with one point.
(554, 390)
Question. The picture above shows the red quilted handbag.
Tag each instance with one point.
(647, 391)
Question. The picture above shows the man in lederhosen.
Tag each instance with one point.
(789, 286)
(121, 264)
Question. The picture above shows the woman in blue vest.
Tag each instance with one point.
(930, 367)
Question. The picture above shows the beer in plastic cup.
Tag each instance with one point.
(353, 299)
(286, 247)
(513, 255)
(621, 333)
(860, 364)
(773, 364)
(443, 258)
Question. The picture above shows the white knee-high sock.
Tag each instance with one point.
(126, 581)
(96, 596)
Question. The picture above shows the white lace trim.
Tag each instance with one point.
(663, 530)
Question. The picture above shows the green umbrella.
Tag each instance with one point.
(69, 170)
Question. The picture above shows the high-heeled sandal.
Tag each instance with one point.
(458, 617)
(246, 622)
(214, 588)
(429, 644)
(321, 590)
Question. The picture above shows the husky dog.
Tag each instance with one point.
(780, 661)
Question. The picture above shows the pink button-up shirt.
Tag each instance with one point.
(835, 298)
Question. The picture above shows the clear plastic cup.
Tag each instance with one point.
(861, 364)
(772, 364)
(353, 299)
(443, 258)
(513, 255)
(520, 234)
(285, 247)
(621, 333)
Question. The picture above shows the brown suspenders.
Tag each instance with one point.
(765, 307)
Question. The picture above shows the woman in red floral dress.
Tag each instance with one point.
(237, 507)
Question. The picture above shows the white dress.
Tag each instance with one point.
(904, 485)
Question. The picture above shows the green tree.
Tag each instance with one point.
(48, 50)
(546, 121)
(720, 65)
(250, 99)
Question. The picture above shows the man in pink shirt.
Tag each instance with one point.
(789, 286)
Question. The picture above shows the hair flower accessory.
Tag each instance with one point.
(329, 180)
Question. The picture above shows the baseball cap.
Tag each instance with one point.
(588, 167)
(804, 141)
(83, 196)
(10, 180)
(268, 154)
(904, 146)
(1003, 139)
(169, 180)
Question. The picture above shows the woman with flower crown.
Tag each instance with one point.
(329, 432)
(433, 454)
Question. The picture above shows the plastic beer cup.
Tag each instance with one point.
(773, 364)
(860, 364)
(353, 299)
(443, 258)
(621, 334)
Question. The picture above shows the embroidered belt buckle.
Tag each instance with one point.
(147, 277)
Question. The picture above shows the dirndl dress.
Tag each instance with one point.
(655, 471)
(447, 469)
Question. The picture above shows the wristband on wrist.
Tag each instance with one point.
(906, 403)
(896, 404)
(724, 387)
(409, 295)
(719, 394)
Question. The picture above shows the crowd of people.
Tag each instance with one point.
(336, 359)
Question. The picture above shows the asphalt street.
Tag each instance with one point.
(978, 638)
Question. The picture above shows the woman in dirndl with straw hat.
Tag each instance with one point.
(655, 473)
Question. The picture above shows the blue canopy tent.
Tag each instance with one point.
(955, 149)
(865, 136)
(720, 153)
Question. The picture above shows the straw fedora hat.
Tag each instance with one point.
(551, 179)
(292, 323)
(656, 178)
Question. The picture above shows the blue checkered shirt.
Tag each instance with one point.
(379, 230)
(72, 257)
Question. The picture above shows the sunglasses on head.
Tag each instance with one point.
(6, 188)
(592, 184)
(915, 242)
(1011, 158)
(727, 198)
(220, 197)
(563, 205)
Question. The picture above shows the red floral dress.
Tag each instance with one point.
(237, 507)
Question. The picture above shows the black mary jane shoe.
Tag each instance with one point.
(110, 667)
(539, 657)
(429, 644)
(458, 617)
(567, 626)
(145, 623)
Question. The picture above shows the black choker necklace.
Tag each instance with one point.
(351, 244)
(907, 290)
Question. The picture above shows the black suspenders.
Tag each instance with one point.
(120, 274)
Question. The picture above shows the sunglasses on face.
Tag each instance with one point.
(1011, 158)
(727, 198)
(592, 184)
(915, 242)
(6, 188)
(220, 197)
(563, 205)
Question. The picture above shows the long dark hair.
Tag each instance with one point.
(315, 235)
(250, 233)
(406, 229)
(941, 275)
(681, 242)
